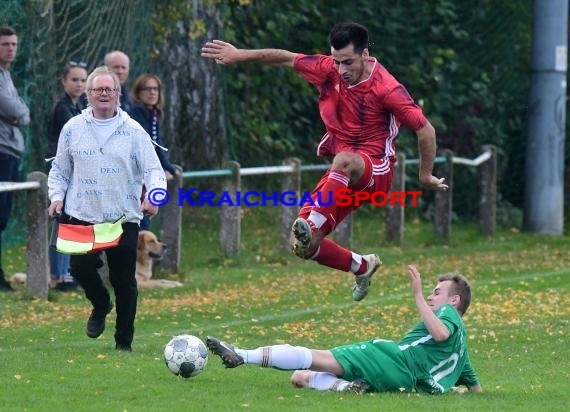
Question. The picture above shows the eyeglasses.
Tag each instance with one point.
(99, 91)
(150, 89)
(73, 63)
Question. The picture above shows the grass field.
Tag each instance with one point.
(518, 324)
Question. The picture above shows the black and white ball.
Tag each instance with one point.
(186, 355)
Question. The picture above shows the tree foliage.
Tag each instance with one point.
(465, 63)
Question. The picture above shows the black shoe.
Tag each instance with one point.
(124, 348)
(96, 322)
(5, 286)
(358, 387)
(225, 351)
(67, 286)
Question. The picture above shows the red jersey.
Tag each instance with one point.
(364, 117)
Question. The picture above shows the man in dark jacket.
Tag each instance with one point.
(14, 113)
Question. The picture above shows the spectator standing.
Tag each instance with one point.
(147, 109)
(70, 104)
(119, 63)
(14, 114)
(103, 159)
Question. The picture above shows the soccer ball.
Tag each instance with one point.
(185, 355)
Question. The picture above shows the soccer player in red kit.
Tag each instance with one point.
(362, 106)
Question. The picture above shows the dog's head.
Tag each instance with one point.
(149, 245)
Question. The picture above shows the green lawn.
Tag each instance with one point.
(518, 324)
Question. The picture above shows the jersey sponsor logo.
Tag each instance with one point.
(88, 193)
(110, 170)
(112, 215)
(83, 153)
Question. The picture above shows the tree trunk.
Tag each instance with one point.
(194, 125)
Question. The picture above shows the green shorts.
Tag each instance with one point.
(380, 363)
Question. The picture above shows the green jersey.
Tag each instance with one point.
(438, 366)
(417, 362)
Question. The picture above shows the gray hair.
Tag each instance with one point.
(104, 71)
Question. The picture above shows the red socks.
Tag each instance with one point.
(333, 255)
(327, 207)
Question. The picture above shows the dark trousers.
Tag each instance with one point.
(122, 267)
(8, 173)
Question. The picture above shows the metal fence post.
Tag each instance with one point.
(443, 212)
(171, 226)
(37, 251)
(488, 193)
(291, 182)
(395, 213)
(230, 225)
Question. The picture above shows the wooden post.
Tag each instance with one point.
(171, 225)
(343, 232)
(230, 227)
(443, 211)
(37, 253)
(488, 193)
(291, 183)
(395, 213)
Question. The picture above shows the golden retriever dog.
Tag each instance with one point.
(149, 250)
(19, 278)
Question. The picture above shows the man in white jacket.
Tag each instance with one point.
(14, 113)
(103, 159)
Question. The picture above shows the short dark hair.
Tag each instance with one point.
(343, 34)
(7, 31)
(459, 286)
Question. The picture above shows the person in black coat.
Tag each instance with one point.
(147, 109)
(70, 104)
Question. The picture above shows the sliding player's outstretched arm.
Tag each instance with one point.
(434, 325)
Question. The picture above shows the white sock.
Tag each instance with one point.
(317, 219)
(324, 381)
(284, 357)
(356, 262)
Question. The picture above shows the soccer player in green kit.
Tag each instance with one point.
(431, 358)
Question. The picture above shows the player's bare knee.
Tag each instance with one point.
(346, 161)
(350, 163)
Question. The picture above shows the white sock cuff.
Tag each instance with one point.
(356, 262)
(307, 357)
(287, 357)
(317, 218)
(284, 357)
(325, 381)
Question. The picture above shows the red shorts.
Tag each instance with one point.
(377, 177)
